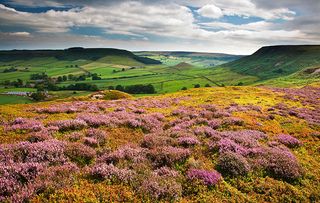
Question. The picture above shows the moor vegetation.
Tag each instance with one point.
(220, 144)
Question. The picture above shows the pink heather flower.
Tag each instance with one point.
(234, 121)
(40, 136)
(99, 135)
(72, 124)
(289, 141)
(161, 188)
(188, 141)
(29, 125)
(95, 120)
(166, 171)
(58, 109)
(154, 140)
(112, 173)
(134, 154)
(51, 151)
(215, 123)
(90, 141)
(79, 153)
(282, 164)
(208, 132)
(167, 156)
(227, 145)
(209, 178)
(233, 164)
(74, 136)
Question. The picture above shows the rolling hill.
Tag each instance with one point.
(277, 61)
(71, 54)
(201, 59)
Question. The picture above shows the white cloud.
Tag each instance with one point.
(172, 19)
(255, 26)
(244, 8)
(19, 34)
(210, 11)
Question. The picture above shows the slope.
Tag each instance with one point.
(277, 61)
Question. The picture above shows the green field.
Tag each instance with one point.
(272, 66)
(10, 99)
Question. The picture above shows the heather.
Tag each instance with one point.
(215, 144)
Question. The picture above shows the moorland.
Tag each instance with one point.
(117, 126)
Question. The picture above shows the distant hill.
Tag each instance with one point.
(72, 54)
(277, 61)
(182, 66)
(200, 59)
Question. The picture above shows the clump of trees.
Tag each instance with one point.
(95, 76)
(9, 70)
(135, 89)
(39, 76)
(38, 96)
(77, 86)
(16, 83)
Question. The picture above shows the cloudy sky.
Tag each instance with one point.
(228, 26)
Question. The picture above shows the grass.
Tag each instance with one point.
(12, 99)
(179, 69)
(275, 62)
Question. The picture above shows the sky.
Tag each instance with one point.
(224, 26)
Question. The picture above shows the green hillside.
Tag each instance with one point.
(202, 59)
(72, 54)
(285, 66)
(276, 61)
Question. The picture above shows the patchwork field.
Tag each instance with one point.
(218, 144)
(279, 66)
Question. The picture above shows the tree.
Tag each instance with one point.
(140, 89)
(95, 76)
(81, 78)
(70, 77)
(240, 83)
(120, 88)
(60, 79)
(184, 88)
(111, 88)
(64, 78)
(207, 85)
(38, 96)
(196, 85)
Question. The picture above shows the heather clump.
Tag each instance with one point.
(208, 132)
(288, 140)
(160, 187)
(128, 153)
(80, 154)
(95, 120)
(111, 173)
(72, 124)
(155, 140)
(49, 151)
(206, 177)
(25, 124)
(187, 141)
(96, 137)
(58, 109)
(40, 136)
(167, 156)
(282, 164)
(233, 164)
